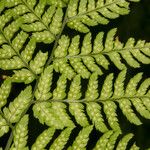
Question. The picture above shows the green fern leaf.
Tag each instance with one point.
(102, 142)
(77, 109)
(124, 141)
(138, 104)
(45, 114)
(59, 3)
(82, 139)
(125, 106)
(4, 128)
(108, 98)
(143, 87)
(59, 109)
(109, 139)
(4, 92)
(69, 61)
(17, 46)
(107, 87)
(20, 134)
(119, 84)
(10, 64)
(92, 92)
(45, 81)
(6, 52)
(134, 147)
(73, 88)
(61, 65)
(85, 13)
(112, 141)
(38, 62)
(94, 112)
(35, 21)
(110, 111)
(146, 103)
(18, 106)
(61, 140)
(131, 87)
(23, 75)
(43, 139)
(29, 50)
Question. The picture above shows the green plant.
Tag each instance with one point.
(62, 86)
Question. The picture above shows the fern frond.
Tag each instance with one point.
(84, 13)
(17, 45)
(18, 106)
(12, 59)
(59, 3)
(61, 140)
(20, 134)
(71, 99)
(143, 87)
(43, 139)
(4, 128)
(16, 55)
(102, 142)
(134, 147)
(39, 61)
(44, 85)
(46, 136)
(23, 75)
(107, 87)
(45, 114)
(94, 112)
(125, 106)
(111, 115)
(124, 141)
(10, 64)
(82, 139)
(108, 141)
(70, 60)
(77, 109)
(44, 24)
(4, 92)
(107, 97)
(59, 109)
(112, 140)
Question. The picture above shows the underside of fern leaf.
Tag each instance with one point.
(126, 96)
(83, 13)
(59, 90)
(92, 57)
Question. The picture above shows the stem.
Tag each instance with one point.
(37, 80)
(8, 123)
(57, 39)
(23, 61)
(23, 113)
(93, 100)
(90, 11)
(9, 141)
(102, 53)
(32, 11)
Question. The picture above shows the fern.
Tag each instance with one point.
(91, 13)
(67, 86)
(20, 134)
(108, 99)
(70, 60)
